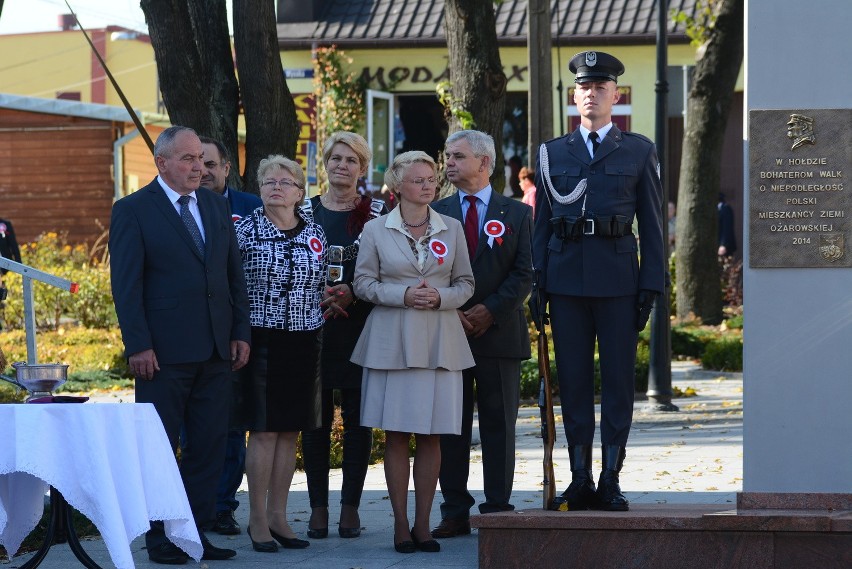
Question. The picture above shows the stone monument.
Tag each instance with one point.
(798, 269)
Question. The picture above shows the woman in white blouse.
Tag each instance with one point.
(413, 265)
(284, 258)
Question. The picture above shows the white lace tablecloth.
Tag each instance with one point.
(111, 461)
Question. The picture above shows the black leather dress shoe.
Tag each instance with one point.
(168, 554)
(289, 542)
(609, 494)
(451, 527)
(213, 553)
(580, 495)
(226, 524)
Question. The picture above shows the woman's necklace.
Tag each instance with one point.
(329, 203)
(421, 224)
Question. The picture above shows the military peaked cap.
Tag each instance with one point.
(595, 66)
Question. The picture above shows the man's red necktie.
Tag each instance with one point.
(471, 226)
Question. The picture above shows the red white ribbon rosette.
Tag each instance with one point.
(235, 218)
(494, 229)
(316, 246)
(439, 249)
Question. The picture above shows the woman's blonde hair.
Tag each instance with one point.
(394, 174)
(354, 141)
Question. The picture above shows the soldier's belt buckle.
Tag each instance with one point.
(335, 273)
(588, 227)
(335, 254)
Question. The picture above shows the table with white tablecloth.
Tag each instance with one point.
(111, 461)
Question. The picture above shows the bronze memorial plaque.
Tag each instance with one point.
(800, 194)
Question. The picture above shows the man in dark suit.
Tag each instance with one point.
(590, 185)
(180, 297)
(8, 243)
(498, 233)
(10, 250)
(727, 237)
(214, 176)
(217, 166)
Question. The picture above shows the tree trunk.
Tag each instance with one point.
(697, 268)
(271, 123)
(476, 72)
(195, 68)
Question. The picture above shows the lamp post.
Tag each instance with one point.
(660, 370)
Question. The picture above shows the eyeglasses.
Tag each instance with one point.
(422, 182)
(286, 184)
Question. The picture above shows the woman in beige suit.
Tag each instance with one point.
(413, 265)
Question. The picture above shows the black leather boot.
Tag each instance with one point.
(580, 494)
(609, 493)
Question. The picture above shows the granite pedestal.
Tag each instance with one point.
(765, 531)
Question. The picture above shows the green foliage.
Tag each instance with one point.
(377, 453)
(698, 27)
(531, 379)
(95, 357)
(724, 354)
(91, 306)
(454, 107)
(339, 96)
(690, 341)
(11, 394)
(735, 322)
(642, 367)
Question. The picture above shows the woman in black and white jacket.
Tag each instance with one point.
(284, 258)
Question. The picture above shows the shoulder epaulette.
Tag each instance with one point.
(637, 135)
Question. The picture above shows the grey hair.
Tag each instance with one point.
(165, 142)
(279, 161)
(480, 142)
(393, 175)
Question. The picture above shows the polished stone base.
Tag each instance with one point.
(766, 531)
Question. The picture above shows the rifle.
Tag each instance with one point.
(548, 427)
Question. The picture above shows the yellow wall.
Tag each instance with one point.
(42, 64)
(132, 64)
(640, 62)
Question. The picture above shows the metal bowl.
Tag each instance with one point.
(40, 378)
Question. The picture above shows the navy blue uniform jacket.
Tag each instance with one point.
(622, 179)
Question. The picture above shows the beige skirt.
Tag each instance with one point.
(421, 401)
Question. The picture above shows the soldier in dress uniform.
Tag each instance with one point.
(590, 185)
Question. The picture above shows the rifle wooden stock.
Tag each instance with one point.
(548, 427)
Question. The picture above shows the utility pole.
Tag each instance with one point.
(540, 101)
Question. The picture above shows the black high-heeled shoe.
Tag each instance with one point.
(318, 533)
(347, 533)
(405, 546)
(262, 546)
(289, 542)
(428, 546)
